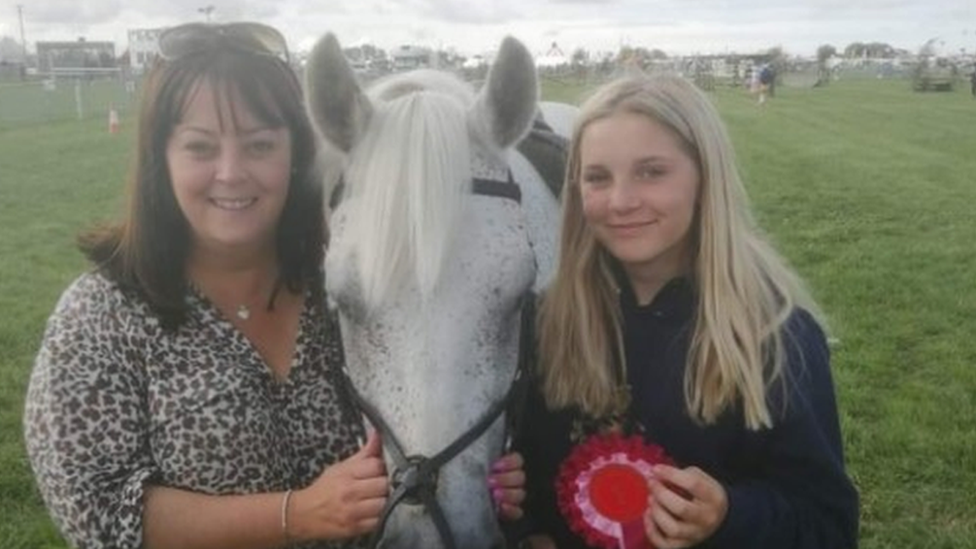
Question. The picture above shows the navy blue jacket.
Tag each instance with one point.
(787, 487)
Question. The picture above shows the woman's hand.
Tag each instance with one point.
(345, 501)
(674, 520)
(507, 484)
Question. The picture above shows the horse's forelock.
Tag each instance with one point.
(409, 173)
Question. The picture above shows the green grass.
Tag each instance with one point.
(866, 187)
(55, 180)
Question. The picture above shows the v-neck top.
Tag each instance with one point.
(116, 402)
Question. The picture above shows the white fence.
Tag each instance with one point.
(64, 97)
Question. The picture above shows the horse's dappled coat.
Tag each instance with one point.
(428, 277)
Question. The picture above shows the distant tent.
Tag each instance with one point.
(553, 58)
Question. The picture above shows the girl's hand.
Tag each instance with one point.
(507, 484)
(674, 520)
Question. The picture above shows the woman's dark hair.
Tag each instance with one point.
(146, 253)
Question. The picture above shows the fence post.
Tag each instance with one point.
(79, 105)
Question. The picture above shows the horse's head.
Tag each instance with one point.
(441, 233)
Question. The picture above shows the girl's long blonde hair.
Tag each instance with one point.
(744, 291)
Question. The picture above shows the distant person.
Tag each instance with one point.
(187, 391)
(972, 82)
(752, 76)
(767, 82)
(672, 319)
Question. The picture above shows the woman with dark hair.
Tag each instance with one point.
(186, 393)
(149, 250)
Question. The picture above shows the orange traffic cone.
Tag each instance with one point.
(113, 120)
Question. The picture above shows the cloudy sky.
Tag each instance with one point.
(475, 26)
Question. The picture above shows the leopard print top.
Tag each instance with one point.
(115, 402)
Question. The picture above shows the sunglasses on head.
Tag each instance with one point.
(192, 38)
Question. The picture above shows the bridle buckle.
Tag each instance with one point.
(416, 480)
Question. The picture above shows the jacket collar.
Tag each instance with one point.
(675, 300)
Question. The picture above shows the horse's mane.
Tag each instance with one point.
(405, 181)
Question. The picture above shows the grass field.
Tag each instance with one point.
(868, 188)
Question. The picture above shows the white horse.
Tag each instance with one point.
(442, 232)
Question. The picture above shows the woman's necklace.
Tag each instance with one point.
(243, 312)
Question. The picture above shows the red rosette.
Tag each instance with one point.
(602, 490)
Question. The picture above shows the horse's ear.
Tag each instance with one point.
(507, 103)
(336, 103)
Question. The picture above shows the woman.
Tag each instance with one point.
(187, 392)
(670, 316)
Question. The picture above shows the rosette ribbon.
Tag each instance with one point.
(602, 489)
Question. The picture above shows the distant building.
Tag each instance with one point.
(407, 58)
(143, 48)
(475, 62)
(82, 54)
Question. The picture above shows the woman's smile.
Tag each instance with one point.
(233, 204)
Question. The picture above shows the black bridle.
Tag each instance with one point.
(414, 477)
